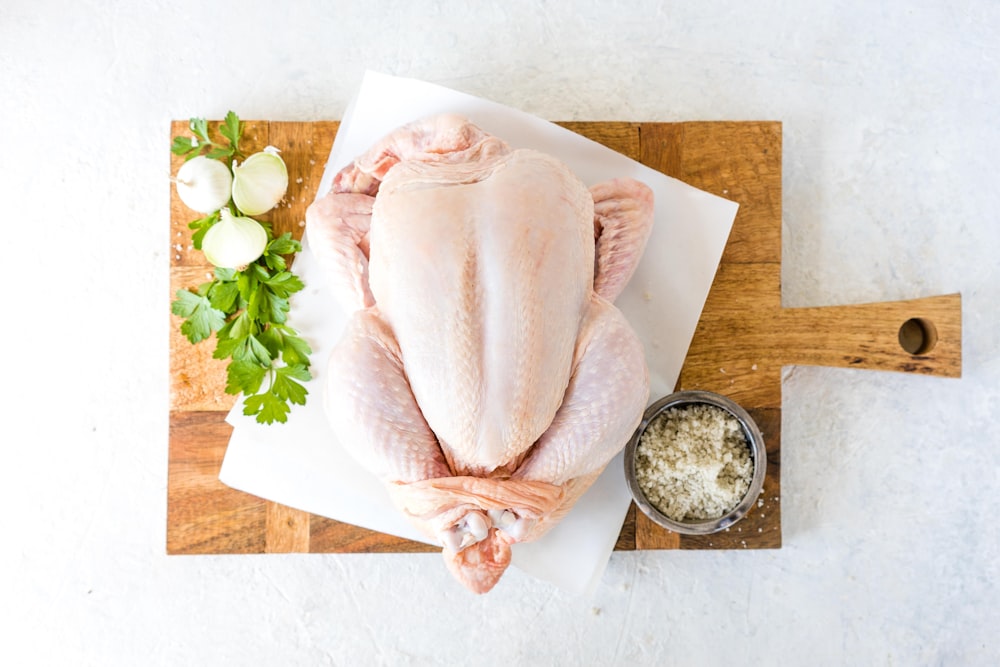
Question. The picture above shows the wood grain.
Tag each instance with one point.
(742, 341)
(204, 516)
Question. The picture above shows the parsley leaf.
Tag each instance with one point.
(268, 407)
(284, 283)
(244, 376)
(295, 351)
(200, 128)
(183, 146)
(237, 327)
(284, 245)
(224, 296)
(254, 350)
(232, 129)
(217, 153)
(201, 226)
(201, 319)
(285, 385)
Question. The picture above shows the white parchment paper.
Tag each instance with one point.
(300, 463)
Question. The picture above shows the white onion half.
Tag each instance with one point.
(233, 242)
(260, 182)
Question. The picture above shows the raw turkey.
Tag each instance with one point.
(485, 375)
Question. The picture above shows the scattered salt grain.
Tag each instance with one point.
(693, 462)
(298, 180)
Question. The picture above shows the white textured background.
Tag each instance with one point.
(890, 482)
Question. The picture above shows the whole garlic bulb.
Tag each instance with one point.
(204, 184)
(233, 242)
(260, 182)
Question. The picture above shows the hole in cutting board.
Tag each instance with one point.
(918, 335)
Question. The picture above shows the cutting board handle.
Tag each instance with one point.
(914, 336)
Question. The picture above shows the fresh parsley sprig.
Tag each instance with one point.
(246, 309)
(201, 144)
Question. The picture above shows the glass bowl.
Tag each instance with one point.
(758, 457)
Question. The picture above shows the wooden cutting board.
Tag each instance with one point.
(742, 341)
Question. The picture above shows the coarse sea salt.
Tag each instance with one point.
(693, 462)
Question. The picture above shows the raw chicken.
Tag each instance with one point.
(485, 375)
